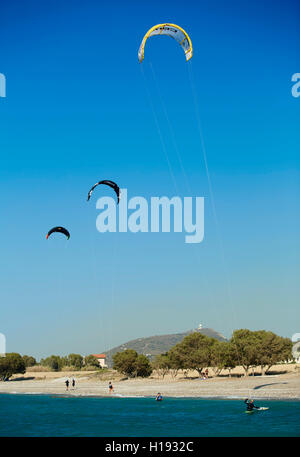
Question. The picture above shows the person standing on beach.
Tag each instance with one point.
(73, 383)
(110, 387)
(67, 384)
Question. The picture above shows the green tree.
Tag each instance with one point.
(230, 357)
(12, 363)
(75, 360)
(196, 351)
(64, 361)
(162, 364)
(91, 361)
(217, 360)
(177, 358)
(246, 345)
(124, 362)
(142, 366)
(271, 349)
(54, 362)
(29, 361)
(131, 364)
(223, 355)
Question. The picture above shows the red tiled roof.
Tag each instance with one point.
(99, 356)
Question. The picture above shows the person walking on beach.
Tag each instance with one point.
(110, 387)
(67, 384)
(206, 373)
(73, 383)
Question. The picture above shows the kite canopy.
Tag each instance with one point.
(111, 184)
(59, 230)
(172, 30)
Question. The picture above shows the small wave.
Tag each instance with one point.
(22, 393)
(32, 393)
(128, 396)
(234, 396)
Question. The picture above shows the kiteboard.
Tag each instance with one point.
(262, 408)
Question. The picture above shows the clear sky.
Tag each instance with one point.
(78, 109)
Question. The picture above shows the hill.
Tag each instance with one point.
(158, 344)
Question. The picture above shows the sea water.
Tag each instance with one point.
(46, 415)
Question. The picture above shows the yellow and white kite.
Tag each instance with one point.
(172, 30)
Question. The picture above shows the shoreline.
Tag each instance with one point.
(285, 386)
(200, 397)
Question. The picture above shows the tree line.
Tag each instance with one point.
(246, 348)
(14, 363)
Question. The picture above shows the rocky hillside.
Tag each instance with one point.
(153, 345)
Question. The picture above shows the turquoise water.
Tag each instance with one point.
(41, 415)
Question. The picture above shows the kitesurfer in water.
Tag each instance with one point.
(250, 405)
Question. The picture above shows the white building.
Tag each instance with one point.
(101, 359)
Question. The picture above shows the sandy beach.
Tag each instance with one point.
(284, 383)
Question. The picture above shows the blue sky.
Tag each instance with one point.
(78, 110)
